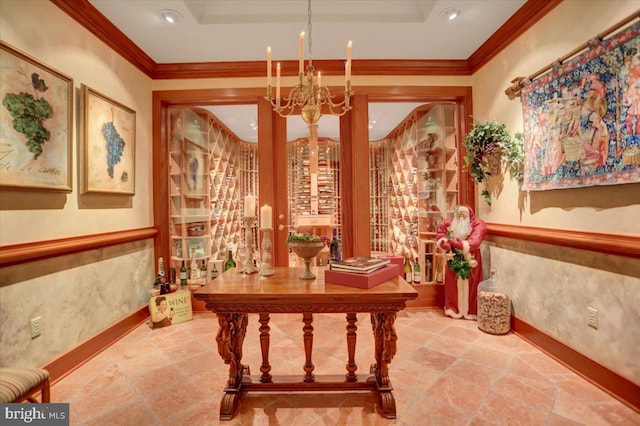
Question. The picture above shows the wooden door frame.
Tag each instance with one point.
(161, 100)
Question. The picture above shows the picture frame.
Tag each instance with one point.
(43, 161)
(108, 148)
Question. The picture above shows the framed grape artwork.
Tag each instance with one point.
(108, 152)
(36, 119)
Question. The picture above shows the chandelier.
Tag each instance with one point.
(309, 95)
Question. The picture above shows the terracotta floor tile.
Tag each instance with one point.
(445, 372)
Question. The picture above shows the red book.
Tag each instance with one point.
(370, 280)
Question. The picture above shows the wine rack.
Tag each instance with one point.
(379, 189)
(313, 174)
(422, 184)
(210, 172)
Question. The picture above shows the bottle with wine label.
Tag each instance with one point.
(194, 272)
(214, 271)
(407, 270)
(183, 274)
(203, 272)
(417, 272)
(230, 263)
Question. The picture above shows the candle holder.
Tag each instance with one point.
(265, 265)
(247, 263)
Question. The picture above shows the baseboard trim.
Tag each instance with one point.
(611, 382)
(70, 361)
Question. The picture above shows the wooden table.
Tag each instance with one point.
(232, 296)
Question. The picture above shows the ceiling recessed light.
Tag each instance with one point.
(169, 15)
(450, 13)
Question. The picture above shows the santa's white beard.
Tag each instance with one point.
(461, 228)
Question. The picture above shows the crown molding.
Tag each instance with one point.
(90, 18)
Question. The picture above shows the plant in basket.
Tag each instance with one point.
(487, 144)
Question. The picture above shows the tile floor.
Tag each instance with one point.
(446, 372)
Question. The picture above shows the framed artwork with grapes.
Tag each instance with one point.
(108, 152)
(36, 119)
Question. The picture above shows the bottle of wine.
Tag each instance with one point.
(194, 272)
(214, 271)
(417, 273)
(407, 270)
(203, 272)
(230, 263)
(428, 273)
(161, 277)
(183, 274)
(335, 248)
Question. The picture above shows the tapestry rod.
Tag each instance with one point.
(519, 82)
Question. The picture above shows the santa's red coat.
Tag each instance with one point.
(478, 232)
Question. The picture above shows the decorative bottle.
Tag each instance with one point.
(407, 270)
(203, 272)
(194, 272)
(417, 273)
(335, 249)
(230, 263)
(214, 271)
(161, 279)
(183, 274)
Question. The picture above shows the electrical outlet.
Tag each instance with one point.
(593, 317)
(36, 327)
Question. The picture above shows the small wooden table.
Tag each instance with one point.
(232, 296)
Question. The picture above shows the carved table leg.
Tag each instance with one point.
(351, 347)
(265, 368)
(307, 319)
(233, 328)
(385, 348)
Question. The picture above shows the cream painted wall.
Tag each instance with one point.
(551, 287)
(79, 295)
(570, 24)
(42, 30)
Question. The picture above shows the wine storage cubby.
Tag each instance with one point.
(423, 186)
(210, 172)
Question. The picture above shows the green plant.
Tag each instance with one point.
(458, 264)
(486, 144)
(303, 237)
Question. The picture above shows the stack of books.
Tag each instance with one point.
(361, 272)
(359, 265)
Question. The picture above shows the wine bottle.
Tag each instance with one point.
(203, 272)
(230, 263)
(194, 273)
(214, 271)
(428, 273)
(161, 276)
(407, 270)
(183, 274)
(335, 248)
(417, 273)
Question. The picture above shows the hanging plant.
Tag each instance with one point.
(487, 144)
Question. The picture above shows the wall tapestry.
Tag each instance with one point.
(35, 123)
(582, 119)
(109, 145)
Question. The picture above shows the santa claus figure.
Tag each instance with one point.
(461, 239)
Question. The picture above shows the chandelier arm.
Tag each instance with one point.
(308, 96)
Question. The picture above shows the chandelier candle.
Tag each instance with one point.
(309, 95)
